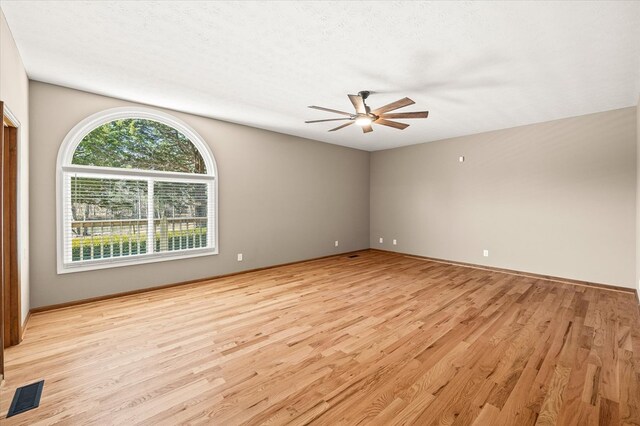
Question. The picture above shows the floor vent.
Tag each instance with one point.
(26, 398)
(354, 255)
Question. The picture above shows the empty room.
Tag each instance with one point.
(319, 212)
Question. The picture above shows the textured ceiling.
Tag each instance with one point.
(474, 66)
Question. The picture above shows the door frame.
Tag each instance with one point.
(10, 271)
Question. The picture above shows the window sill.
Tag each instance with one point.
(134, 260)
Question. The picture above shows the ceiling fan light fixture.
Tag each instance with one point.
(363, 121)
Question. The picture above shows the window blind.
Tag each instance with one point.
(113, 218)
(180, 211)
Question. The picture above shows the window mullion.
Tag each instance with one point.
(151, 246)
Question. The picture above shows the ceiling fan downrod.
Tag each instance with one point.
(364, 94)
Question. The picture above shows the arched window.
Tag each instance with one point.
(134, 185)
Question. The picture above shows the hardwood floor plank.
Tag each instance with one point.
(377, 339)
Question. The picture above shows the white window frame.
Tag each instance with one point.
(65, 167)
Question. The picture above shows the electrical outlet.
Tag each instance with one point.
(461, 159)
(239, 257)
(485, 253)
(381, 240)
(395, 242)
(336, 243)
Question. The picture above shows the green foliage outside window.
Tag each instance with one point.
(139, 144)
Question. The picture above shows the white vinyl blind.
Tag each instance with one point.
(107, 218)
(181, 215)
(111, 218)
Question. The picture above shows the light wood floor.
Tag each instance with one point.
(376, 339)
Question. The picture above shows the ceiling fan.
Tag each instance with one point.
(365, 116)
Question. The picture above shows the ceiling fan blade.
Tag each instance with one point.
(367, 128)
(393, 105)
(358, 103)
(340, 127)
(390, 123)
(330, 110)
(417, 114)
(329, 119)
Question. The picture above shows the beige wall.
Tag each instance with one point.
(281, 198)
(554, 198)
(14, 92)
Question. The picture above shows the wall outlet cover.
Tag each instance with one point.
(239, 257)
